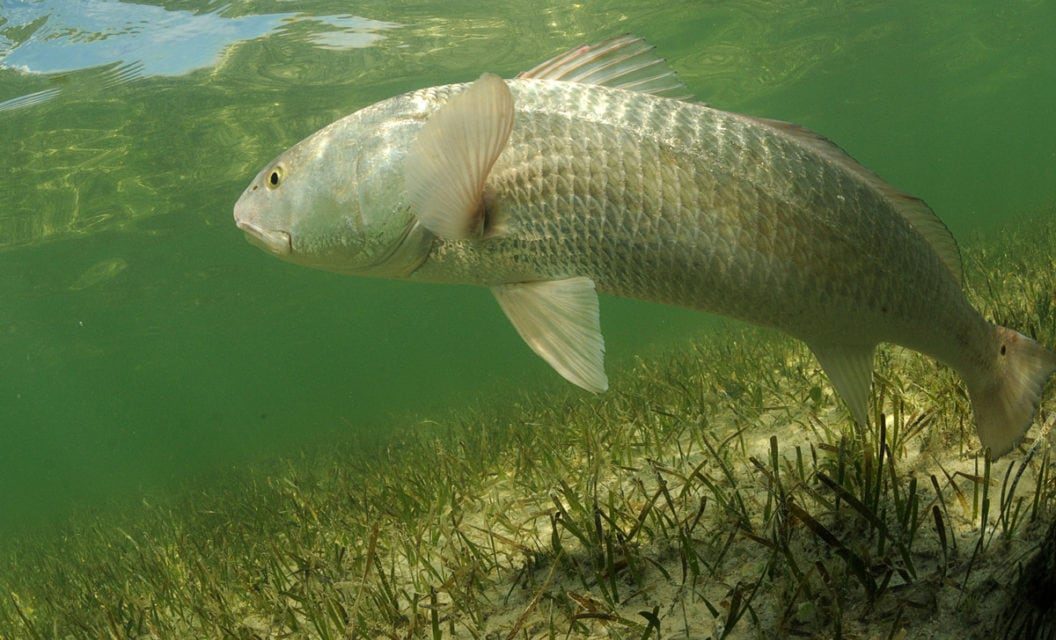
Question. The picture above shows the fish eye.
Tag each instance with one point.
(274, 178)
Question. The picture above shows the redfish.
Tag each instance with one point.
(594, 173)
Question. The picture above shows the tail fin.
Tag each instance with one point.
(1006, 398)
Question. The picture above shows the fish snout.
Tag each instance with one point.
(272, 241)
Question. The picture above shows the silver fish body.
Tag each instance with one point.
(679, 203)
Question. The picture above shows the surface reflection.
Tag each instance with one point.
(135, 40)
(80, 34)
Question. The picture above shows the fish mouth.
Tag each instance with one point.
(277, 242)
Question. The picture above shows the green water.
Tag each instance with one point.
(144, 344)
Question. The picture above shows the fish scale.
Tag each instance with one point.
(746, 199)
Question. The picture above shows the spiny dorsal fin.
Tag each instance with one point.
(623, 62)
(914, 210)
(449, 161)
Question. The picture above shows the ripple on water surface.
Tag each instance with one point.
(64, 111)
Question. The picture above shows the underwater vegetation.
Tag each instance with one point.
(719, 491)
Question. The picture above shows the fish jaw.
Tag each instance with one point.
(275, 242)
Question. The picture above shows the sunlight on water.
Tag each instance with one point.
(145, 342)
(141, 40)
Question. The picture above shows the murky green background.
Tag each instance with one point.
(143, 343)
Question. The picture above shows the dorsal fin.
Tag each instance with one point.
(914, 210)
(623, 62)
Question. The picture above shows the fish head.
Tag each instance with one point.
(336, 200)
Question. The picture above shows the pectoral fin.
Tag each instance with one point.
(452, 156)
(850, 369)
(559, 321)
